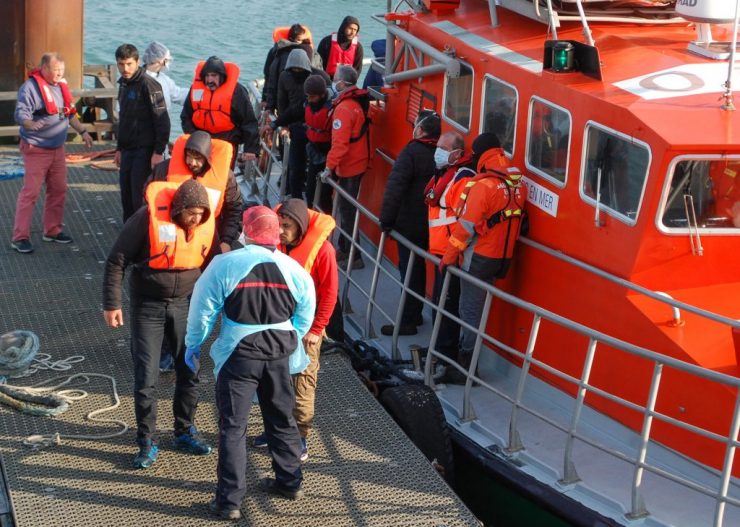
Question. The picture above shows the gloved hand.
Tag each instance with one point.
(442, 267)
(385, 227)
(192, 359)
(449, 258)
(325, 175)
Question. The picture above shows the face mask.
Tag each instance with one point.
(441, 157)
(334, 87)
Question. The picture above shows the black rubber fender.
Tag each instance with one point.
(417, 410)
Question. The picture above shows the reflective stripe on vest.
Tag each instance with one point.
(214, 179)
(168, 246)
(212, 109)
(338, 56)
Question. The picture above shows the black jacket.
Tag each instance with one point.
(229, 222)
(291, 99)
(132, 249)
(277, 65)
(242, 115)
(143, 119)
(403, 206)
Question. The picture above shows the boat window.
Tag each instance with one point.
(549, 140)
(458, 97)
(499, 112)
(615, 168)
(711, 187)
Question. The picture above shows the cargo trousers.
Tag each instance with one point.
(305, 390)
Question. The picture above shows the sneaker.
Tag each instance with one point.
(147, 454)
(273, 487)
(190, 443)
(166, 363)
(304, 449)
(22, 246)
(260, 441)
(405, 329)
(224, 514)
(59, 237)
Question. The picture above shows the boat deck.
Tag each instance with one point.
(362, 469)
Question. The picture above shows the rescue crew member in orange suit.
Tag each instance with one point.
(198, 157)
(165, 243)
(403, 206)
(304, 236)
(453, 171)
(490, 209)
(342, 47)
(219, 104)
(349, 155)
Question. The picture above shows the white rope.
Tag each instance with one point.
(75, 394)
(43, 362)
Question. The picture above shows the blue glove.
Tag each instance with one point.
(192, 358)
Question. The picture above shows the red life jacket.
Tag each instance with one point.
(46, 94)
(212, 109)
(318, 124)
(214, 179)
(338, 56)
(168, 244)
(319, 229)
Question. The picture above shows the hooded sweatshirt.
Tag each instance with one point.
(291, 97)
(325, 45)
(277, 59)
(132, 249)
(324, 269)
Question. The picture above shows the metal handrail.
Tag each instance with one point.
(637, 509)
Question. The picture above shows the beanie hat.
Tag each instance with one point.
(315, 85)
(485, 141)
(296, 210)
(190, 194)
(261, 226)
(213, 65)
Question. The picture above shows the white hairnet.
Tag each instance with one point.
(155, 52)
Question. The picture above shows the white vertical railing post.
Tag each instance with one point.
(515, 442)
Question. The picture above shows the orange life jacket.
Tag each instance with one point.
(338, 56)
(442, 215)
(212, 109)
(725, 177)
(214, 179)
(281, 33)
(318, 231)
(68, 109)
(168, 246)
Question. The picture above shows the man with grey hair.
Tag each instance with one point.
(349, 156)
(44, 112)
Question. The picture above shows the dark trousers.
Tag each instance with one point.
(448, 337)
(346, 211)
(136, 166)
(297, 161)
(237, 381)
(417, 282)
(312, 181)
(151, 320)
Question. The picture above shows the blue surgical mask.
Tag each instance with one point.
(441, 157)
(334, 87)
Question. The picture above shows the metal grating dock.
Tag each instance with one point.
(362, 469)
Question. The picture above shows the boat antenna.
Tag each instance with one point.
(584, 22)
(729, 104)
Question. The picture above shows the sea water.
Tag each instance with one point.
(238, 31)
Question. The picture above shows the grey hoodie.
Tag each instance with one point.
(298, 59)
